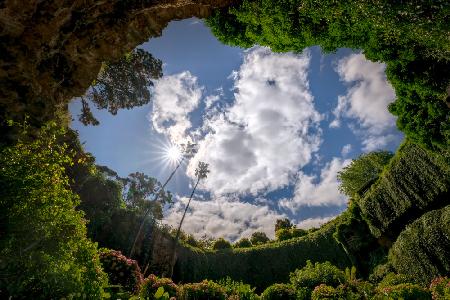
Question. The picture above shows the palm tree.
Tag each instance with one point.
(201, 172)
(187, 151)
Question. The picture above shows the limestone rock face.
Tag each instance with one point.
(52, 50)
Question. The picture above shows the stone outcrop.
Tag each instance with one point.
(51, 51)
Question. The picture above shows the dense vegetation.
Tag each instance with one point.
(57, 206)
(44, 249)
(410, 37)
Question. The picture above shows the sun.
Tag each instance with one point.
(173, 154)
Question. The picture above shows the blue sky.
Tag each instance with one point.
(275, 129)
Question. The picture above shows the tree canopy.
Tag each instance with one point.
(362, 172)
(122, 84)
(44, 249)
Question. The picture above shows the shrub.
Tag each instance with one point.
(44, 251)
(392, 279)
(405, 291)
(415, 180)
(221, 244)
(319, 273)
(356, 289)
(259, 238)
(440, 288)
(151, 285)
(324, 291)
(121, 270)
(205, 290)
(243, 243)
(287, 234)
(238, 290)
(279, 292)
(421, 250)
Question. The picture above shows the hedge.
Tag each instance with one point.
(415, 181)
(422, 249)
(263, 265)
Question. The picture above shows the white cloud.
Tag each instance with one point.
(270, 131)
(314, 222)
(366, 100)
(223, 217)
(175, 97)
(309, 192)
(346, 150)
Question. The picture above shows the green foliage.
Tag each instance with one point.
(152, 284)
(259, 238)
(279, 291)
(287, 234)
(121, 270)
(405, 291)
(283, 224)
(243, 243)
(440, 288)
(221, 244)
(410, 37)
(357, 177)
(238, 290)
(319, 273)
(265, 264)
(205, 290)
(392, 279)
(324, 291)
(415, 180)
(421, 250)
(355, 237)
(43, 245)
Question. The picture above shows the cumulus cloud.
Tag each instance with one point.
(366, 100)
(314, 222)
(322, 191)
(223, 217)
(175, 97)
(268, 133)
(346, 150)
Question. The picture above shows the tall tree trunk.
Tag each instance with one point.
(133, 246)
(177, 236)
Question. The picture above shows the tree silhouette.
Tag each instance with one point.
(187, 150)
(122, 84)
(201, 172)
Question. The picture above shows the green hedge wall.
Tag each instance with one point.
(422, 249)
(415, 181)
(263, 265)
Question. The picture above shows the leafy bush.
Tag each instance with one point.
(313, 275)
(221, 244)
(238, 290)
(287, 234)
(43, 246)
(243, 243)
(415, 180)
(259, 238)
(324, 291)
(421, 250)
(151, 285)
(121, 270)
(205, 290)
(392, 279)
(440, 288)
(279, 291)
(355, 289)
(405, 291)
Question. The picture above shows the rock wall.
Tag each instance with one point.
(52, 50)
